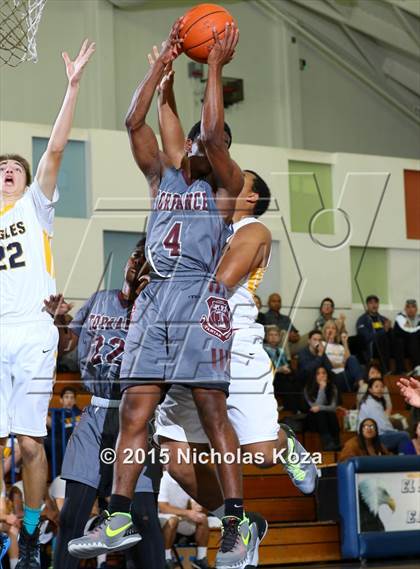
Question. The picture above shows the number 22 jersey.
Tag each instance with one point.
(26, 263)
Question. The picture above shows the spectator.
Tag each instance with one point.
(273, 317)
(374, 372)
(407, 336)
(373, 330)
(178, 513)
(416, 436)
(57, 492)
(373, 406)
(366, 443)
(346, 368)
(326, 311)
(9, 524)
(64, 422)
(261, 316)
(321, 396)
(312, 356)
(287, 388)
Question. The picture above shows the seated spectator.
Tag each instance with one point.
(326, 312)
(373, 330)
(287, 388)
(321, 396)
(178, 513)
(416, 437)
(273, 317)
(346, 368)
(373, 406)
(374, 372)
(366, 443)
(9, 526)
(64, 423)
(261, 316)
(312, 356)
(407, 336)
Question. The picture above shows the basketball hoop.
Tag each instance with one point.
(19, 20)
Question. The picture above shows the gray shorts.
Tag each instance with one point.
(97, 430)
(180, 332)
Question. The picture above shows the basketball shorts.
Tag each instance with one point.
(96, 431)
(180, 332)
(252, 408)
(28, 355)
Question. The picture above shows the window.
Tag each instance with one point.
(118, 246)
(71, 183)
(412, 203)
(307, 180)
(373, 274)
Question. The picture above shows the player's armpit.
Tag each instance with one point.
(248, 250)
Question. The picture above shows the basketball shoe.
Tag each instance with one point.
(29, 554)
(238, 540)
(302, 472)
(114, 532)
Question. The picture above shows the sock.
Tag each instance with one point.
(219, 512)
(13, 563)
(31, 518)
(201, 553)
(234, 507)
(119, 503)
(168, 554)
(101, 559)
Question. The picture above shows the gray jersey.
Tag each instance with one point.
(102, 325)
(186, 233)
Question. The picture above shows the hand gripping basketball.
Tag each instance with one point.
(223, 50)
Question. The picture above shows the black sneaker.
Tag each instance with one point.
(29, 554)
(200, 563)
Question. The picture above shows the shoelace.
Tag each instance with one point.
(101, 519)
(30, 551)
(230, 535)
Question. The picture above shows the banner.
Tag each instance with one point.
(388, 501)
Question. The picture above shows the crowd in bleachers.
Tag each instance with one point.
(314, 370)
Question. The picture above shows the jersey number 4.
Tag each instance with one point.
(12, 253)
(172, 240)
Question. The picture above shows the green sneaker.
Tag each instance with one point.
(238, 541)
(115, 532)
(298, 464)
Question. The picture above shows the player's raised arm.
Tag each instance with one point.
(228, 173)
(170, 127)
(143, 141)
(50, 162)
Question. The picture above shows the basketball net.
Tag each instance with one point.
(19, 20)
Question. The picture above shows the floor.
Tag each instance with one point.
(386, 564)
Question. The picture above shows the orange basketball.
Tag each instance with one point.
(197, 29)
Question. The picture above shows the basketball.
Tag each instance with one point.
(197, 28)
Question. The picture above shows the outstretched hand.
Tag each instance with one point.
(223, 50)
(410, 390)
(57, 306)
(172, 46)
(74, 69)
(168, 73)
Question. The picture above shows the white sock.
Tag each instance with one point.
(201, 552)
(13, 563)
(101, 559)
(219, 512)
(168, 554)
